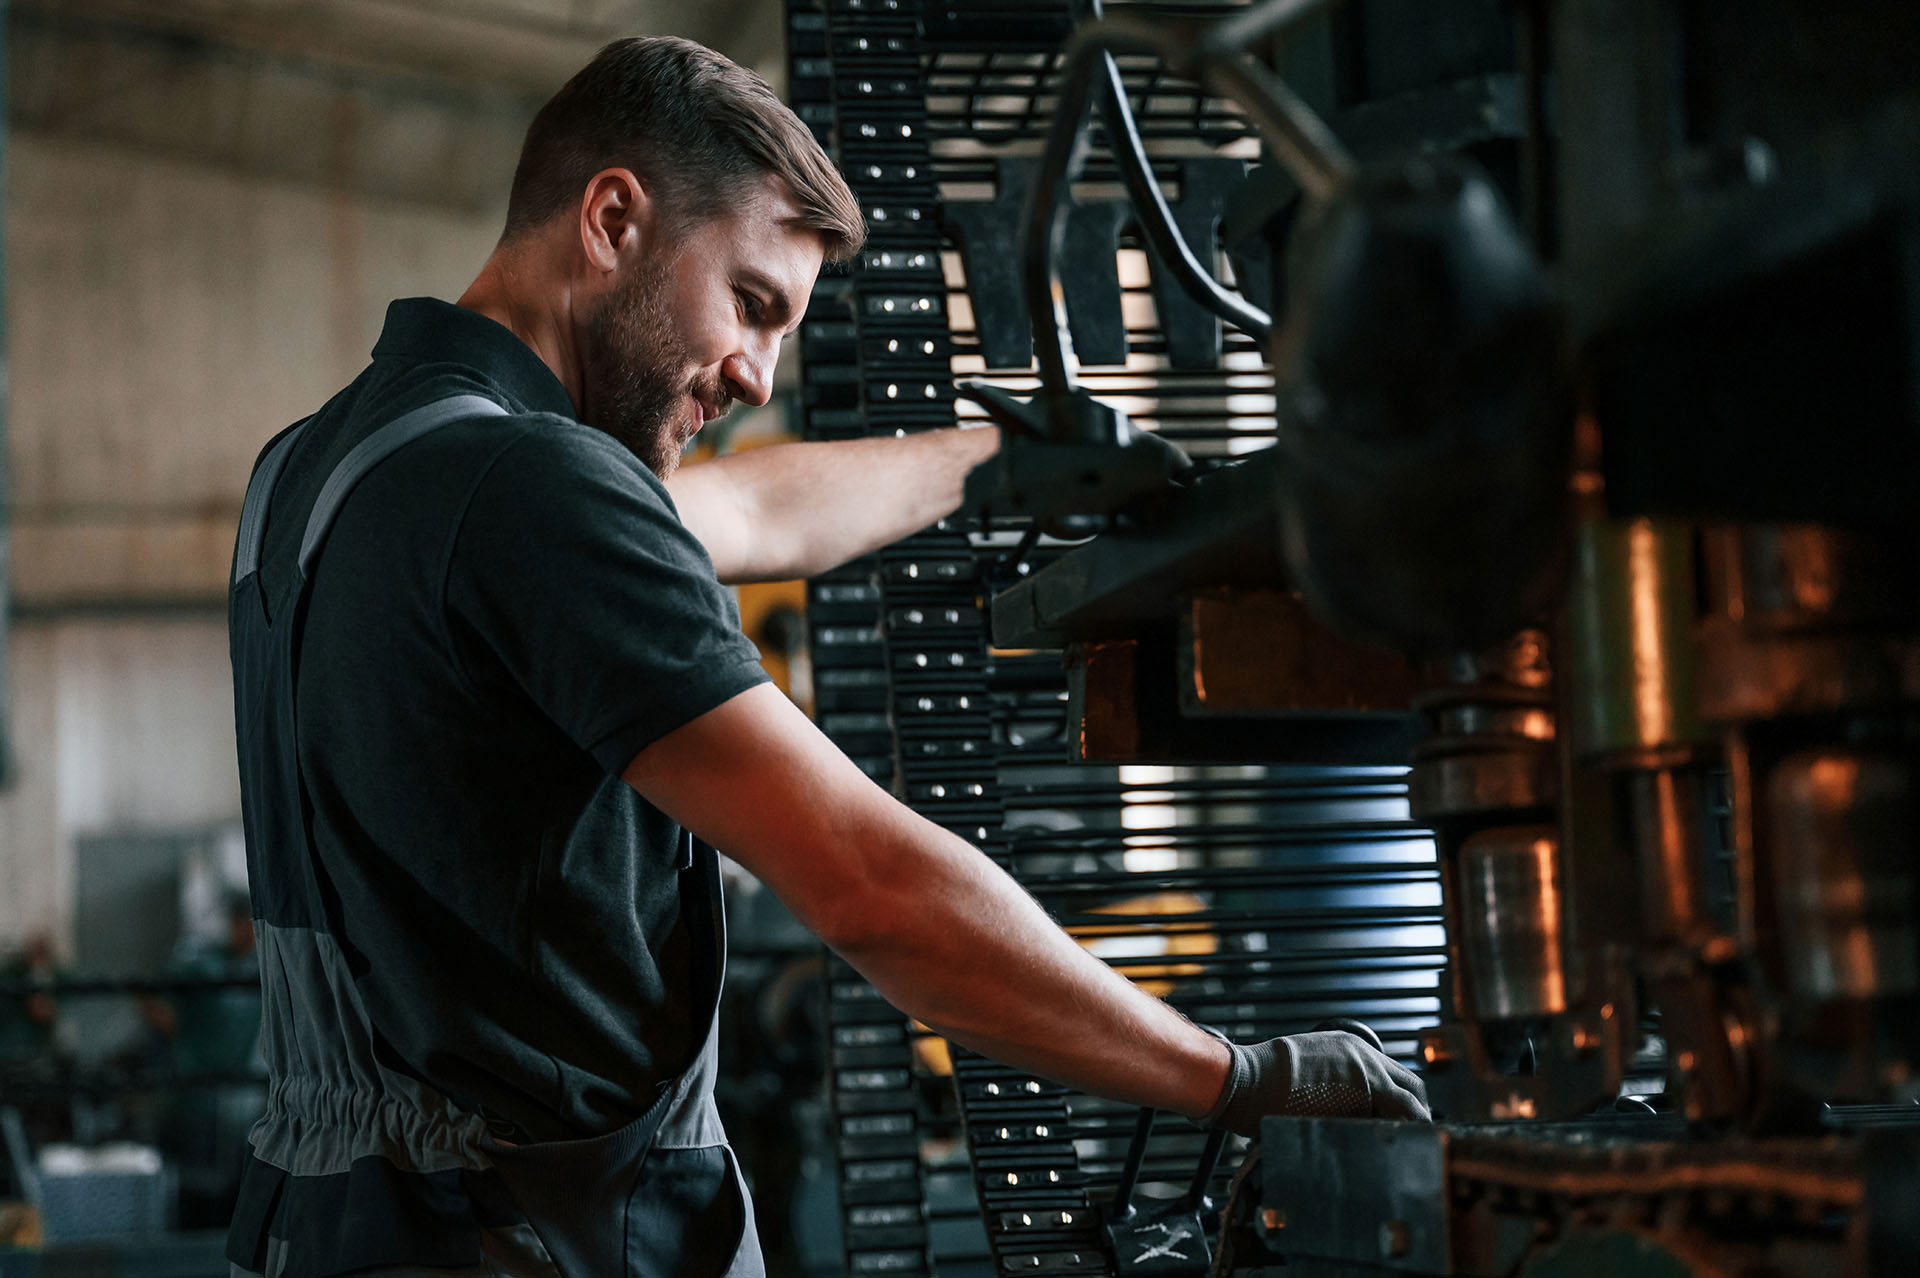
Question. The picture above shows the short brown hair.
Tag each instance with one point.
(692, 124)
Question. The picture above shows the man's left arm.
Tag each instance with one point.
(794, 510)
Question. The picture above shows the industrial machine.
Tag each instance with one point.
(1519, 653)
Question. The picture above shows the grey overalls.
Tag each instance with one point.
(346, 1135)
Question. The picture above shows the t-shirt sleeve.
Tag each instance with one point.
(572, 567)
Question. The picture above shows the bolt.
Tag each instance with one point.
(1273, 1218)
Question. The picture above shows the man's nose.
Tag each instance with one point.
(749, 375)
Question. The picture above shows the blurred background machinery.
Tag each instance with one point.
(1519, 658)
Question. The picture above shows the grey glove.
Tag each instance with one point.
(1325, 1074)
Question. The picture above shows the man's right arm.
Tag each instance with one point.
(575, 581)
(943, 933)
(940, 930)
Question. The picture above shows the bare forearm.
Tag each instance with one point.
(943, 932)
(975, 958)
(791, 510)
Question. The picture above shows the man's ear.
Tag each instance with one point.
(616, 219)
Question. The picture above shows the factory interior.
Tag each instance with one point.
(1449, 577)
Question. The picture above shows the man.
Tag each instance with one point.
(489, 950)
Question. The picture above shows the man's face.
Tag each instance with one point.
(697, 325)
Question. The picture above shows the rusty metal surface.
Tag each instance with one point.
(1388, 1179)
(1254, 652)
(1485, 1199)
(1126, 703)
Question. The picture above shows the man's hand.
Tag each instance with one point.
(1325, 1074)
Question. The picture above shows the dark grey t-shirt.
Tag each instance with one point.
(505, 613)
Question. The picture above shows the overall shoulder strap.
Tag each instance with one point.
(253, 514)
(376, 448)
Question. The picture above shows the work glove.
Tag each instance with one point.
(1026, 420)
(1329, 1073)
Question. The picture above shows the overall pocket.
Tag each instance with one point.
(574, 1193)
(690, 1216)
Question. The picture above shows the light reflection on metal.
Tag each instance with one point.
(1510, 920)
(1646, 581)
(1841, 825)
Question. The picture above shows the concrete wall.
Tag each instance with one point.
(209, 204)
(122, 725)
(167, 318)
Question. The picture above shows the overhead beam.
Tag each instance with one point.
(418, 100)
(511, 48)
(405, 137)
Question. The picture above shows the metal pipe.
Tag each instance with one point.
(1666, 815)
(1300, 139)
(1237, 30)
(1511, 912)
(1209, 1159)
(1045, 228)
(1630, 616)
(1136, 1158)
(1156, 219)
(1297, 136)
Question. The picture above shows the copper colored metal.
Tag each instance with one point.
(1253, 652)
(1782, 575)
(1840, 839)
(1632, 657)
(1667, 815)
(1467, 777)
(1490, 748)
(1105, 720)
(1509, 912)
(1806, 621)
(1751, 677)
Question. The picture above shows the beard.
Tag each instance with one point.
(635, 377)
